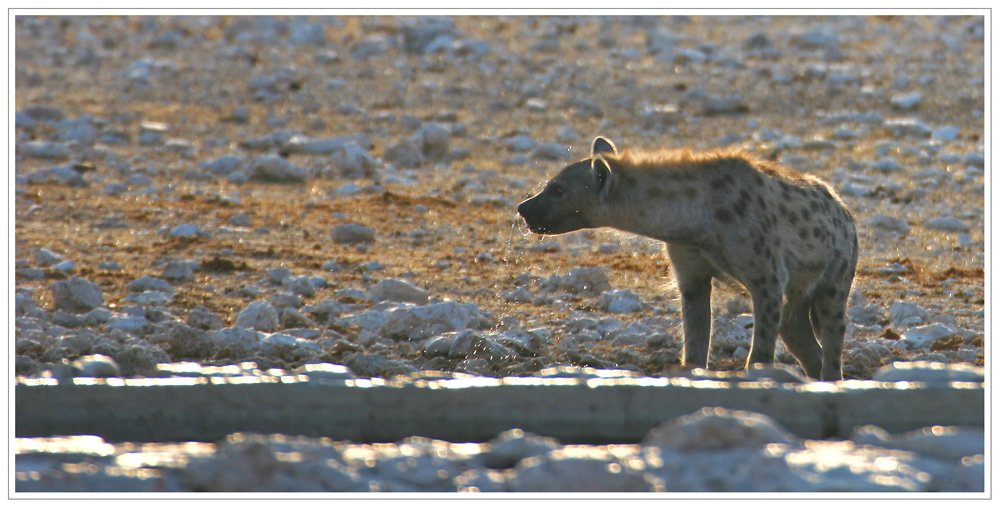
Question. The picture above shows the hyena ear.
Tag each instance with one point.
(602, 145)
(603, 176)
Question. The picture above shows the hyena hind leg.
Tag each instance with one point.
(829, 321)
(797, 333)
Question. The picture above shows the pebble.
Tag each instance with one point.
(352, 233)
(921, 337)
(550, 152)
(146, 283)
(46, 257)
(282, 299)
(946, 224)
(910, 127)
(660, 116)
(405, 154)
(43, 149)
(582, 280)
(258, 315)
(947, 133)
(76, 295)
(723, 105)
(887, 165)
(718, 428)
(271, 168)
(189, 342)
(888, 223)
(138, 360)
(44, 114)
(300, 286)
(619, 302)
(149, 297)
(929, 372)
(410, 322)
(202, 318)
(397, 290)
(433, 141)
(185, 231)
(135, 325)
(236, 343)
(906, 101)
(179, 271)
(352, 161)
(907, 314)
(373, 365)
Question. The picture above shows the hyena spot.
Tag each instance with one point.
(724, 215)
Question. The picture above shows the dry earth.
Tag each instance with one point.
(137, 107)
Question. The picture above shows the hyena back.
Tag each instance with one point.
(784, 235)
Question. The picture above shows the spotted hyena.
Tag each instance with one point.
(782, 234)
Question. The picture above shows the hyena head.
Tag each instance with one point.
(572, 199)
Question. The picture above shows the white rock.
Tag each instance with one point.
(929, 372)
(179, 270)
(727, 333)
(912, 127)
(277, 345)
(582, 280)
(223, 165)
(76, 295)
(353, 233)
(149, 297)
(185, 231)
(95, 366)
(619, 302)
(259, 316)
(887, 165)
(946, 132)
(888, 223)
(410, 322)
(65, 266)
(146, 283)
(907, 314)
(906, 101)
(397, 290)
(46, 257)
(236, 342)
(718, 428)
(577, 470)
(947, 442)
(189, 342)
(132, 324)
(946, 224)
(921, 337)
(325, 372)
(271, 168)
(303, 144)
(405, 154)
(353, 161)
(433, 139)
(43, 149)
(438, 346)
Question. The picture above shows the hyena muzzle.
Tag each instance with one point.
(784, 235)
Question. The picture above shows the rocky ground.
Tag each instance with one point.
(292, 190)
(713, 450)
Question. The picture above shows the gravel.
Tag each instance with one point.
(356, 180)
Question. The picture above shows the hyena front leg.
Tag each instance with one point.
(766, 300)
(694, 279)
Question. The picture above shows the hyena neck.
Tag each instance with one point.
(662, 208)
